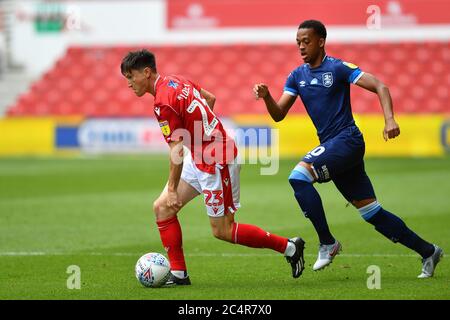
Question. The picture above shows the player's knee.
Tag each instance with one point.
(156, 208)
(162, 211)
(219, 234)
(300, 175)
(368, 210)
(222, 233)
(358, 204)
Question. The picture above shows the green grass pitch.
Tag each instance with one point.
(97, 214)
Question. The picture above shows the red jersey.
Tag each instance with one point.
(184, 114)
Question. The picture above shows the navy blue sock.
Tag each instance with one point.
(309, 200)
(396, 230)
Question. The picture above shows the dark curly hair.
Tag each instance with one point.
(318, 27)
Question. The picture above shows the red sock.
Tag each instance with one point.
(172, 240)
(255, 237)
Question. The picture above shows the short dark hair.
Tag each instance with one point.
(318, 27)
(138, 60)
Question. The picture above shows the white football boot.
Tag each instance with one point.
(327, 252)
(430, 263)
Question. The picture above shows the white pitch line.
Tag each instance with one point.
(205, 254)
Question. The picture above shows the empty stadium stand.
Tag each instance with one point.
(87, 80)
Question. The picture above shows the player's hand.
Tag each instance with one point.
(260, 90)
(172, 200)
(391, 130)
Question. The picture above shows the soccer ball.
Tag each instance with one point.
(152, 270)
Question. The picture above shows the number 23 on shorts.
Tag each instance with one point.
(213, 198)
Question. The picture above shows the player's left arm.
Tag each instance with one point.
(175, 169)
(209, 97)
(371, 83)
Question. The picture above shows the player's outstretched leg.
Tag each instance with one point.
(255, 237)
(396, 230)
(224, 228)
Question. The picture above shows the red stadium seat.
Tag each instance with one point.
(87, 80)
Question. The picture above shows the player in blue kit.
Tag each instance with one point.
(323, 84)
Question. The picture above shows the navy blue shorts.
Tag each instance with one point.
(341, 160)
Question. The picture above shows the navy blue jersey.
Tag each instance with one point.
(325, 92)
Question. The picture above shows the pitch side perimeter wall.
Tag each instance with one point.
(424, 135)
(37, 43)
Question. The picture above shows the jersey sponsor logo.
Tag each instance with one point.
(314, 81)
(165, 129)
(350, 65)
(172, 84)
(327, 79)
(158, 111)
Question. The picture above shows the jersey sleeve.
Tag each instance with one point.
(169, 121)
(349, 72)
(290, 86)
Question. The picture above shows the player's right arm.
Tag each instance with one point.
(171, 127)
(175, 169)
(277, 110)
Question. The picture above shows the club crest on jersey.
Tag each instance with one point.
(165, 129)
(172, 84)
(327, 79)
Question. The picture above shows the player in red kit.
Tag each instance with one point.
(184, 112)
